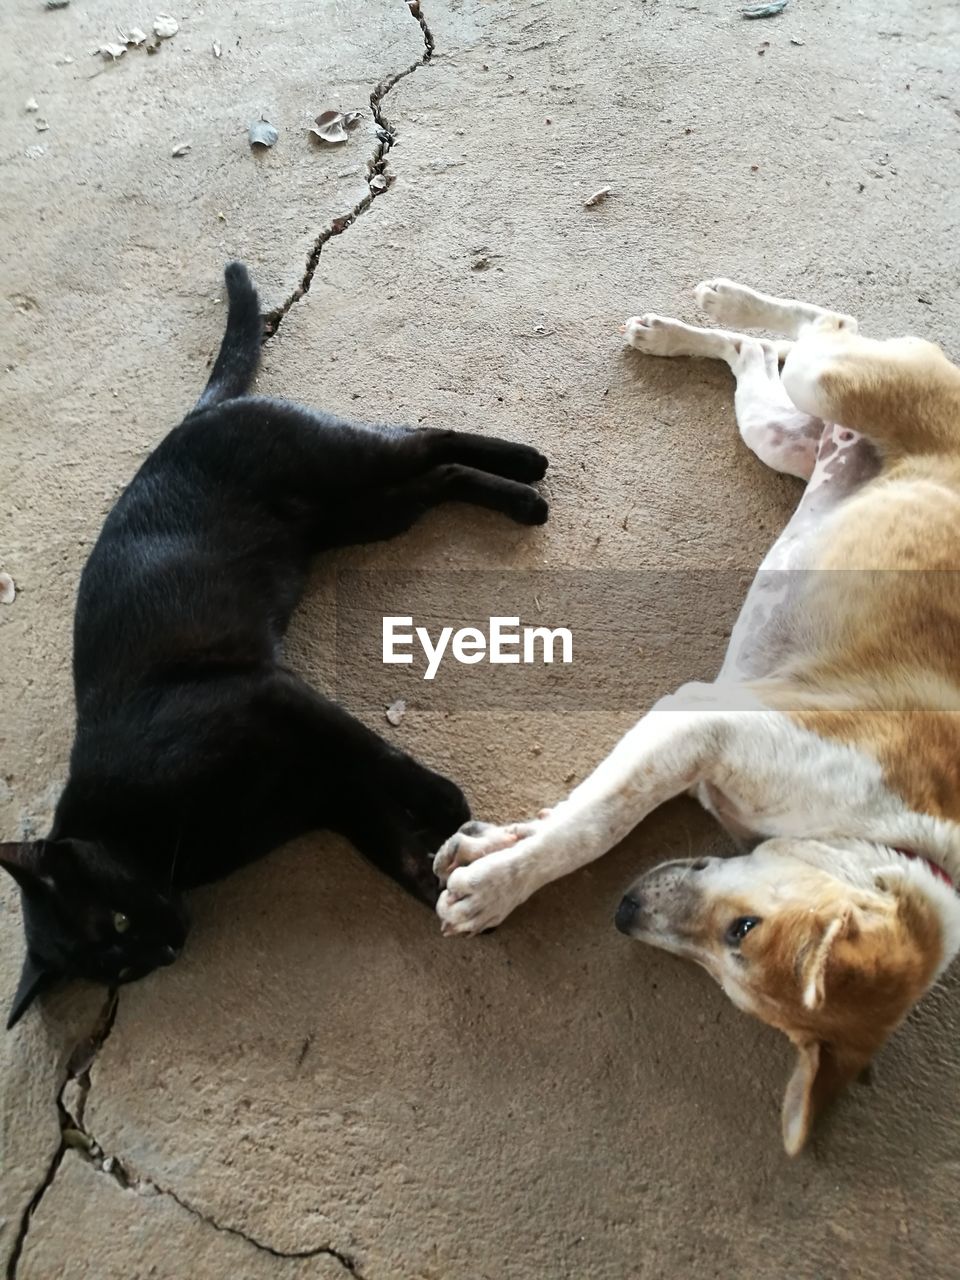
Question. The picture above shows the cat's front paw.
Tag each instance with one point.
(437, 804)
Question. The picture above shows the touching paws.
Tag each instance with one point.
(482, 867)
(474, 840)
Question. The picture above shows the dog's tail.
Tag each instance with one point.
(240, 349)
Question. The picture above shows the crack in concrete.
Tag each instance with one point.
(71, 1132)
(75, 1136)
(376, 169)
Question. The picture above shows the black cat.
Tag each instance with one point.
(196, 749)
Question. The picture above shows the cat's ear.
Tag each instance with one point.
(33, 978)
(23, 860)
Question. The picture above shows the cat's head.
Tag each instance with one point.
(85, 917)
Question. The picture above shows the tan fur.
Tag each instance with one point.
(884, 599)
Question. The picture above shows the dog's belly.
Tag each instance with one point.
(773, 625)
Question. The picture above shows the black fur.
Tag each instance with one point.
(197, 750)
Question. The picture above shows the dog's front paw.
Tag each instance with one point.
(475, 840)
(482, 895)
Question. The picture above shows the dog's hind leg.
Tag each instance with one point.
(770, 424)
(746, 308)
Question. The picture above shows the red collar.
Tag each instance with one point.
(935, 867)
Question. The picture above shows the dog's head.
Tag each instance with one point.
(833, 946)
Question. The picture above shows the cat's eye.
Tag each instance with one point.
(121, 922)
(737, 931)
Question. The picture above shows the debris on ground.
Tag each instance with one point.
(40, 125)
(181, 149)
(56, 4)
(8, 591)
(112, 51)
(332, 126)
(379, 182)
(396, 711)
(31, 104)
(77, 1139)
(164, 26)
(764, 10)
(598, 197)
(135, 36)
(794, 40)
(217, 49)
(263, 133)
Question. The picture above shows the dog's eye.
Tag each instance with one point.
(121, 922)
(740, 928)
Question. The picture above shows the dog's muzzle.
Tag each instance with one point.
(627, 912)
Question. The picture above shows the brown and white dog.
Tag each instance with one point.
(830, 741)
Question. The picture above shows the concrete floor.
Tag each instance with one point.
(322, 1086)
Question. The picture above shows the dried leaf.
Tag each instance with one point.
(598, 197)
(379, 182)
(263, 133)
(217, 49)
(135, 36)
(764, 10)
(351, 119)
(396, 711)
(8, 591)
(56, 4)
(181, 149)
(164, 26)
(112, 51)
(31, 104)
(329, 127)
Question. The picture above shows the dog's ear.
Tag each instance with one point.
(822, 1071)
(816, 960)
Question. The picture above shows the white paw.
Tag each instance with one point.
(475, 840)
(728, 303)
(483, 894)
(655, 335)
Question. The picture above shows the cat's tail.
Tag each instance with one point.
(240, 349)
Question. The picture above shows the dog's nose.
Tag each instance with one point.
(626, 912)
